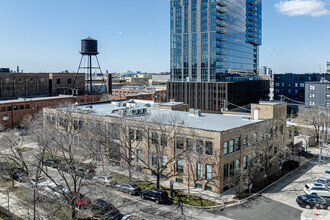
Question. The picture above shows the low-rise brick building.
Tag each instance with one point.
(211, 150)
(139, 92)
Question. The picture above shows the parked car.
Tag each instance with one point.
(19, 175)
(317, 189)
(40, 182)
(59, 191)
(52, 162)
(158, 195)
(66, 167)
(80, 200)
(107, 181)
(327, 173)
(87, 173)
(129, 188)
(311, 201)
(100, 207)
(324, 180)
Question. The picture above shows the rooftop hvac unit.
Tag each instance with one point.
(172, 100)
(195, 112)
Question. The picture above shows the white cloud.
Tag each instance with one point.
(120, 33)
(292, 8)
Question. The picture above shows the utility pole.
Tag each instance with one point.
(188, 182)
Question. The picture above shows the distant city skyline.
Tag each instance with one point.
(44, 36)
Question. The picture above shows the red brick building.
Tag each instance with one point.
(65, 83)
(12, 112)
(144, 94)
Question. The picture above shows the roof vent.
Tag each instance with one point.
(195, 112)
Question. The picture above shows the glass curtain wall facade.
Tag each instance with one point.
(214, 39)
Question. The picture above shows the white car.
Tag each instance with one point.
(327, 173)
(107, 181)
(41, 182)
(58, 190)
(317, 189)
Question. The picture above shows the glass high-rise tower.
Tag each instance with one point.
(214, 39)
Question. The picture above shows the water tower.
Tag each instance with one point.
(89, 63)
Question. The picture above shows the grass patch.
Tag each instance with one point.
(24, 149)
(178, 195)
(6, 183)
(48, 155)
(47, 204)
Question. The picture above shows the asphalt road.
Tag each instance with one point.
(260, 208)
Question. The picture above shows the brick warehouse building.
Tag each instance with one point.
(219, 146)
(157, 95)
(14, 85)
(12, 112)
(212, 97)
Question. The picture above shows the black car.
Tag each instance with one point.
(87, 173)
(52, 162)
(100, 207)
(19, 175)
(129, 188)
(159, 195)
(66, 167)
(311, 201)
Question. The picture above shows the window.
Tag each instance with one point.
(58, 81)
(225, 148)
(69, 81)
(328, 88)
(231, 144)
(199, 170)
(244, 163)
(328, 104)
(21, 107)
(209, 172)
(179, 167)
(114, 131)
(199, 186)
(232, 166)
(277, 84)
(199, 146)
(238, 144)
(163, 140)
(245, 141)
(164, 160)
(302, 85)
(289, 90)
(311, 95)
(328, 96)
(178, 180)
(179, 142)
(311, 103)
(138, 135)
(3, 109)
(5, 117)
(208, 148)
(225, 171)
(154, 138)
(131, 134)
(255, 138)
(27, 106)
(139, 155)
(237, 166)
(190, 144)
(282, 84)
(296, 85)
(154, 160)
(132, 154)
(311, 88)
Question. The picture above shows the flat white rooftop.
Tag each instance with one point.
(207, 121)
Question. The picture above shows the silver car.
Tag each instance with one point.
(106, 181)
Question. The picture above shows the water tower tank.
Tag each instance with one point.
(89, 46)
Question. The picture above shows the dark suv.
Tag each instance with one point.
(87, 173)
(100, 207)
(159, 195)
(52, 162)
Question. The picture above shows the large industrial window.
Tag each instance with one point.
(179, 167)
(139, 156)
(138, 135)
(208, 148)
(154, 138)
(225, 148)
(232, 165)
(209, 172)
(69, 81)
(199, 146)
(238, 144)
(225, 171)
(190, 144)
(58, 81)
(179, 142)
(231, 143)
(163, 140)
(199, 170)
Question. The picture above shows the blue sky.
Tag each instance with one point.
(44, 35)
